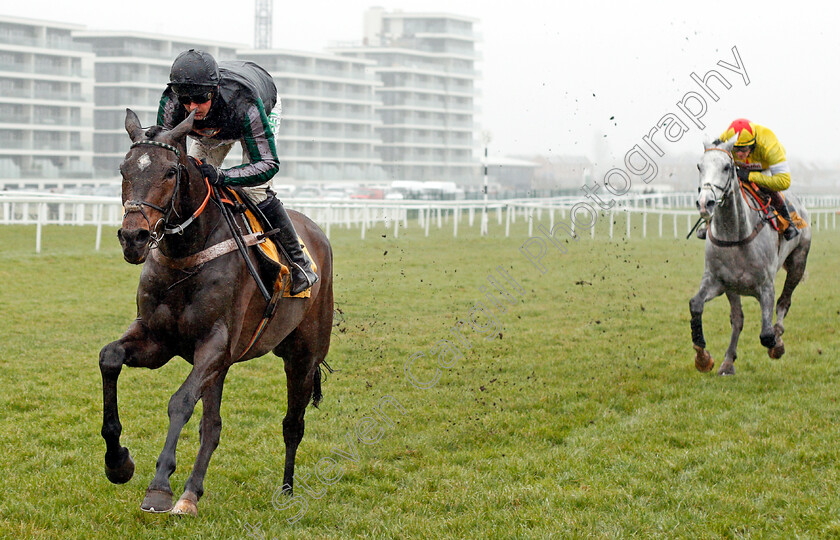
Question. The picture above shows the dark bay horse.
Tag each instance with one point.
(207, 313)
(743, 257)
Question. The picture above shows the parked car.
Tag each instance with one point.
(368, 193)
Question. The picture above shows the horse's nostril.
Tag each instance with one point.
(710, 204)
(134, 236)
(697, 204)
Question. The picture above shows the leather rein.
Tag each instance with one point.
(211, 252)
(725, 192)
(207, 254)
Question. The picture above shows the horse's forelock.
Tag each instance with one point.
(153, 132)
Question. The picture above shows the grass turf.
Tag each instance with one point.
(576, 412)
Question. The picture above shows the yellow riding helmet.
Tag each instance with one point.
(745, 130)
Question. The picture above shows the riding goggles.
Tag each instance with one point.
(198, 99)
(193, 93)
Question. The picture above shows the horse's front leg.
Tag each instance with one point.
(709, 288)
(209, 433)
(736, 319)
(136, 348)
(208, 362)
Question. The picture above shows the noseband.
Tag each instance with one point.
(137, 206)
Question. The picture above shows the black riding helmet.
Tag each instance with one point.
(193, 72)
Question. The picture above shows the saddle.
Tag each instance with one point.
(762, 201)
(274, 273)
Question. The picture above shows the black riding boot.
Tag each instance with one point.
(300, 266)
(781, 207)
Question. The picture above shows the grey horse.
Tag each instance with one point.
(743, 257)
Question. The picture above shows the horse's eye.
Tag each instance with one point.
(171, 172)
(699, 168)
(726, 167)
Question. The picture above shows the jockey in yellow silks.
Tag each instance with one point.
(758, 145)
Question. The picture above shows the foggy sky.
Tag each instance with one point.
(585, 78)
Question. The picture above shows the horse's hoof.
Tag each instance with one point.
(122, 473)
(703, 361)
(157, 501)
(776, 352)
(727, 368)
(186, 505)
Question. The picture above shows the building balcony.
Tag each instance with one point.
(138, 52)
(44, 43)
(65, 71)
(429, 106)
(331, 134)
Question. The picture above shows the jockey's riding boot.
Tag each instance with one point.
(300, 266)
(701, 230)
(781, 208)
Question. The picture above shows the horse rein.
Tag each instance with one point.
(725, 193)
(137, 206)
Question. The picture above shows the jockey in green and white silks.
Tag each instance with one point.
(233, 102)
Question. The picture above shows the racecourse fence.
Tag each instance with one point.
(664, 213)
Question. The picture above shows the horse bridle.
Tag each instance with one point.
(727, 188)
(726, 191)
(137, 206)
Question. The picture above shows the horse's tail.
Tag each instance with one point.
(317, 395)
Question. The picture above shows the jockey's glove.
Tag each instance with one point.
(212, 174)
(743, 174)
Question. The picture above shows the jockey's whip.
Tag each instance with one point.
(693, 228)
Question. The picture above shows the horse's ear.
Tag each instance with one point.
(180, 131)
(728, 145)
(707, 141)
(132, 126)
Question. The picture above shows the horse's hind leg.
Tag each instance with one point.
(765, 299)
(795, 267)
(302, 351)
(301, 371)
(736, 318)
(209, 433)
(708, 289)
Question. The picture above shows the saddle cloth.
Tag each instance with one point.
(270, 254)
(751, 190)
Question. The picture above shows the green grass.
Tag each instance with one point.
(585, 417)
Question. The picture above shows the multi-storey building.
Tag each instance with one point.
(400, 107)
(131, 71)
(427, 64)
(46, 103)
(329, 116)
